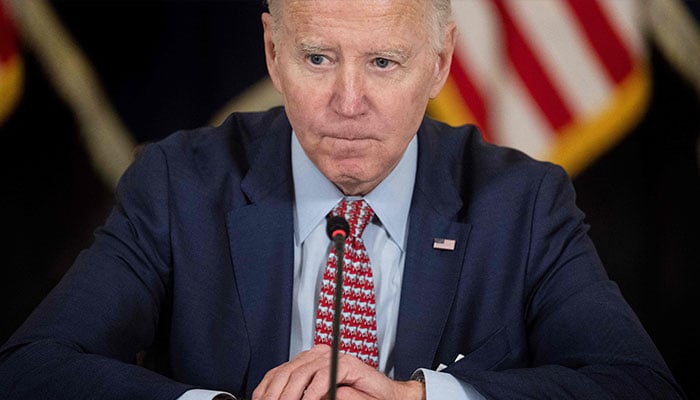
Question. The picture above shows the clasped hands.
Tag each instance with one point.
(307, 377)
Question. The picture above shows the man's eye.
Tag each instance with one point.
(382, 62)
(317, 59)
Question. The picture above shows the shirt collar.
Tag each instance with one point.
(315, 195)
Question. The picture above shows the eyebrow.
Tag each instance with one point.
(310, 48)
(393, 54)
(399, 54)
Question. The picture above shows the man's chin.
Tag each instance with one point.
(355, 184)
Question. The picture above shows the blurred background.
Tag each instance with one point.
(610, 89)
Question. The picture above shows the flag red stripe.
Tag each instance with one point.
(469, 92)
(603, 38)
(532, 74)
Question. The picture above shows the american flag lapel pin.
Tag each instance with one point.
(444, 244)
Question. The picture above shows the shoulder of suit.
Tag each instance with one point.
(240, 133)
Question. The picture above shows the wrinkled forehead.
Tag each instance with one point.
(355, 17)
(415, 12)
(311, 4)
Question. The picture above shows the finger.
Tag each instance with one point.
(292, 377)
(318, 387)
(350, 393)
(267, 384)
(351, 370)
(300, 378)
(365, 381)
(347, 369)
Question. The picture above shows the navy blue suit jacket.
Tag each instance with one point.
(194, 265)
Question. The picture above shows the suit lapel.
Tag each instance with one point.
(431, 275)
(261, 236)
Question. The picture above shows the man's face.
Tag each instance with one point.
(356, 77)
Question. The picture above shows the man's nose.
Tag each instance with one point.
(349, 95)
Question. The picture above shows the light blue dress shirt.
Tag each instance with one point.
(385, 238)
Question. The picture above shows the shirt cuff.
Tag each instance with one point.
(441, 385)
(201, 394)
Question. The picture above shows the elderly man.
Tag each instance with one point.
(469, 274)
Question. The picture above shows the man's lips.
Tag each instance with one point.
(348, 137)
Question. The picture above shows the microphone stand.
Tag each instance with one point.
(337, 229)
(339, 242)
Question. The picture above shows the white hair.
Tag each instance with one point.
(439, 17)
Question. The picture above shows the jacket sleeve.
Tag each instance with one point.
(82, 341)
(583, 340)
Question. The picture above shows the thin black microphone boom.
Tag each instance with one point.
(337, 229)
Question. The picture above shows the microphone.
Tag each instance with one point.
(337, 229)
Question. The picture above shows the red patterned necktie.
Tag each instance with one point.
(358, 326)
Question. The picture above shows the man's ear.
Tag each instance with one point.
(444, 60)
(270, 49)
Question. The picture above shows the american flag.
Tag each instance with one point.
(562, 80)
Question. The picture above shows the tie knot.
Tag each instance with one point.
(357, 212)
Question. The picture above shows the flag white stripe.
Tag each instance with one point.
(519, 123)
(563, 51)
(479, 42)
